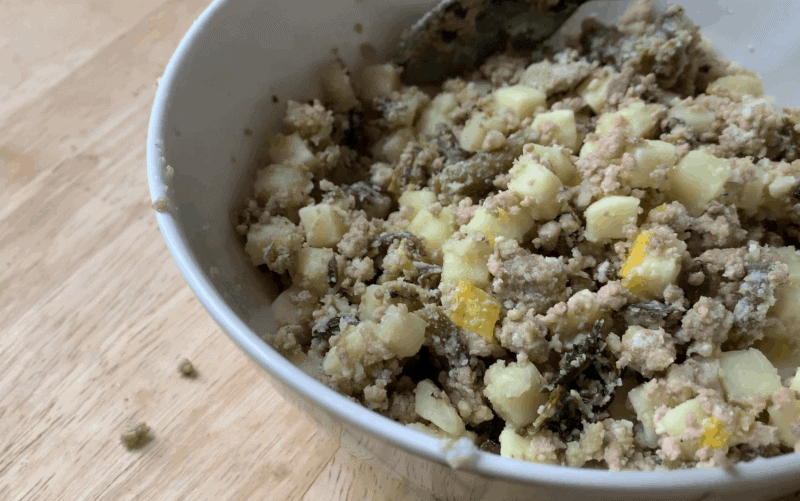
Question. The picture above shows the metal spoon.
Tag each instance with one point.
(458, 35)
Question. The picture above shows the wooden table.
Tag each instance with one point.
(94, 315)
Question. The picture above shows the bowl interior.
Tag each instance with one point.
(227, 87)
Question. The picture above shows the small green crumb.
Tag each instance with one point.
(136, 437)
(186, 368)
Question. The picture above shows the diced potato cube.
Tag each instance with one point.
(522, 100)
(288, 312)
(512, 445)
(312, 269)
(402, 330)
(370, 303)
(595, 90)
(325, 224)
(641, 117)
(565, 133)
(434, 229)
(336, 86)
(587, 149)
(432, 404)
(698, 179)
(560, 163)
(697, 118)
(392, 147)
(747, 374)
(532, 179)
(474, 309)
(736, 86)
(505, 224)
(278, 234)
(606, 218)
(649, 157)
(466, 259)
(379, 80)
(645, 409)
(331, 365)
(437, 113)
(649, 274)
(674, 422)
(787, 298)
(291, 182)
(786, 417)
(795, 384)
(291, 149)
(515, 391)
(417, 199)
(474, 133)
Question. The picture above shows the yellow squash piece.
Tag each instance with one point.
(474, 309)
(714, 434)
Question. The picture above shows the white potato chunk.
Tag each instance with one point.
(784, 414)
(417, 199)
(650, 156)
(336, 86)
(696, 117)
(434, 229)
(392, 147)
(432, 404)
(559, 123)
(645, 407)
(698, 179)
(787, 299)
(401, 330)
(532, 180)
(560, 163)
(512, 445)
(505, 224)
(291, 149)
(291, 183)
(641, 117)
(675, 422)
(595, 90)
(379, 80)
(473, 136)
(266, 241)
(607, 218)
(312, 269)
(748, 374)
(325, 224)
(437, 113)
(515, 391)
(466, 259)
(736, 86)
(795, 384)
(522, 100)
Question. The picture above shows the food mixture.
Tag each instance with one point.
(585, 258)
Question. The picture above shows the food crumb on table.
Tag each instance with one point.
(136, 437)
(186, 368)
(160, 204)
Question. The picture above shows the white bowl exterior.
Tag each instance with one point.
(221, 81)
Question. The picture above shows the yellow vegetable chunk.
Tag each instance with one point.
(565, 131)
(522, 100)
(649, 274)
(606, 218)
(714, 434)
(474, 309)
(698, 179)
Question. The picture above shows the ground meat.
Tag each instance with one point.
(706, 327)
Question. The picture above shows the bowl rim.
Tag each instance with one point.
(415, 442)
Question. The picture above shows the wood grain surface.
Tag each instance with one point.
(94, 315)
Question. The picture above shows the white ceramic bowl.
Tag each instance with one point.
(221, 82)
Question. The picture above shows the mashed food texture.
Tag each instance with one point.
(585, 257)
